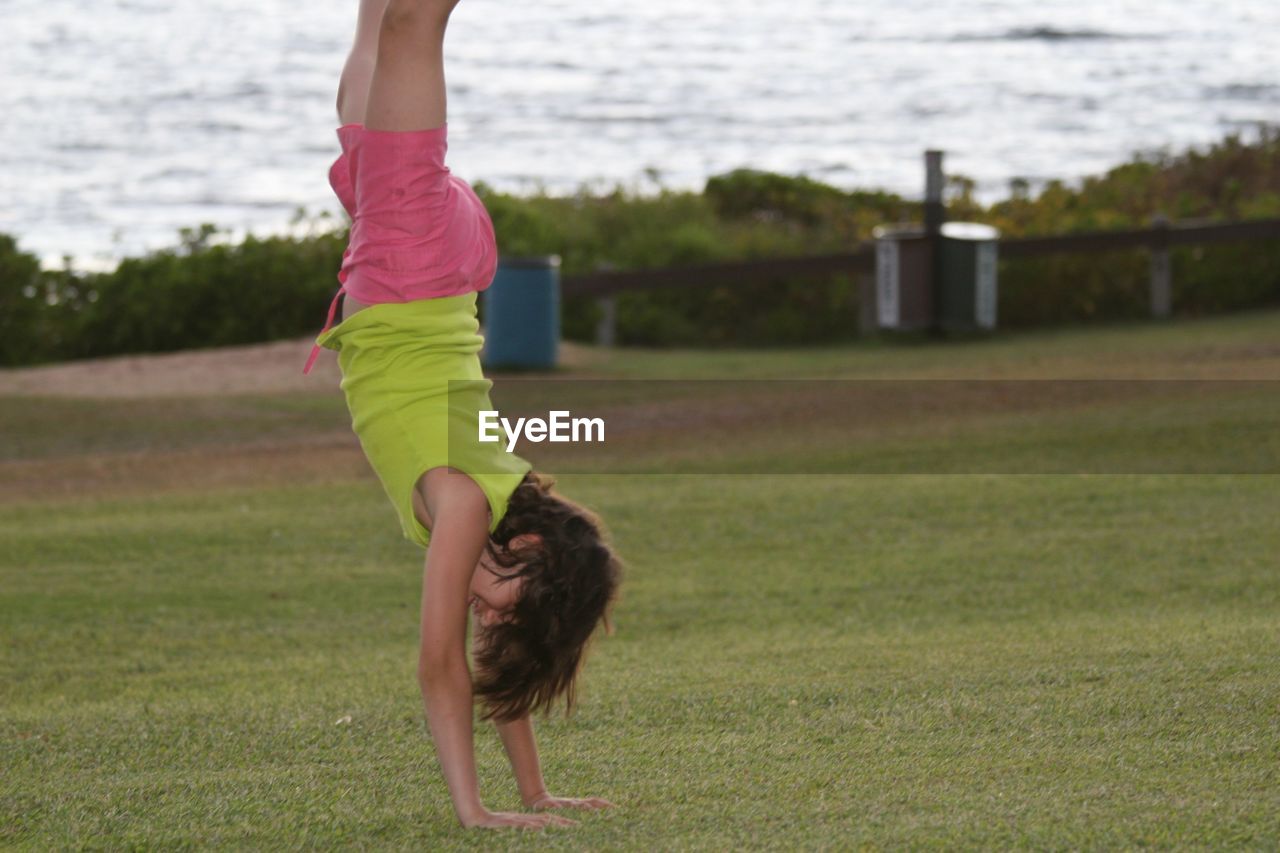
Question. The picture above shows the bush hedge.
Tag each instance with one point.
(208, 291)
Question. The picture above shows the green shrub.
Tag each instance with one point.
(1230, 181)
(23, 336)
(205, 294)
(209, 292)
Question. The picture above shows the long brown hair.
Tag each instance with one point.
(572, 578)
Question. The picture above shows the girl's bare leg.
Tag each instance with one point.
(357, 74)
(408, 89)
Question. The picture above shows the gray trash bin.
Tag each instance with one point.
(968, 270)
(521, 311)
(904, 280)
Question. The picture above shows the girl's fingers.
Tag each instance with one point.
(588, 803)
(594, 803)
(525, 821)
(569, 803)
(549, 820)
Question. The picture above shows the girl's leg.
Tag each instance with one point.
(353, 88)
(408, 91)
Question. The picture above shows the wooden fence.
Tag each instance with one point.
(1158, 239)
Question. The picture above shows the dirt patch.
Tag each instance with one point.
(150, 472)
(271, 368)
(250, 438)
(223, 458)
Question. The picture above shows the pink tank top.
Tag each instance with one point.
(417, 230)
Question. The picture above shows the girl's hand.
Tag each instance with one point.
(495, 820)
(546, 801)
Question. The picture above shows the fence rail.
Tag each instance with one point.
(861, 259)
(1170, 234)
(1158, 239)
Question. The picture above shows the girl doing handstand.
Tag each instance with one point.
(534, 567)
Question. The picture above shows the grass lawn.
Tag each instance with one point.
(204, 646)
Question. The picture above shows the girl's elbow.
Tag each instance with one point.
(442, 667)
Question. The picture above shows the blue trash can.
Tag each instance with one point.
(521, 312)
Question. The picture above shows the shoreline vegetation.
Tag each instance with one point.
(208, 291)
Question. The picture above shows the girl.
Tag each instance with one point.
(534, 567)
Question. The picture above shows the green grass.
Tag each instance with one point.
(884, 660)
(1095, 350)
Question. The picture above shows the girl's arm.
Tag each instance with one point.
(458, 535)
(517, 738)
(522, 751)
(459, 528)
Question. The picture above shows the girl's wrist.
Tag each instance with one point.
(471, 815)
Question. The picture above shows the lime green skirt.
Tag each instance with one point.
(414, 387)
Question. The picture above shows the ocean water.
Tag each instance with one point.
(125, 120)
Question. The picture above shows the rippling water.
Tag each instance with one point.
(125, 120)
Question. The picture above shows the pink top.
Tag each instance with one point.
(418, 231)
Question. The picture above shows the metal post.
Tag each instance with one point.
(934, 179)
(934, 216)
(1161, 269)
(607, 328)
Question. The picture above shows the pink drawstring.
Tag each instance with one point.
(333, 307)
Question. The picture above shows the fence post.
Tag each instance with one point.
(607, 328)
(867, 308)
(1161, 269)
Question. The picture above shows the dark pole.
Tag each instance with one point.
(933, 180)
(934, 216)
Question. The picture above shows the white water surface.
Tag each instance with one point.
(125, 120)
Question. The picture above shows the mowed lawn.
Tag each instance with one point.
(209, 625)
